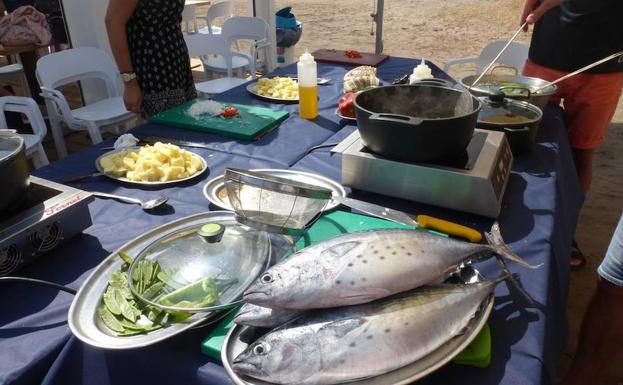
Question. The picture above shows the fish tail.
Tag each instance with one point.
(494, 238)
(510, 278)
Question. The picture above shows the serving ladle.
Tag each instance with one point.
(147, 205)
(571, 74)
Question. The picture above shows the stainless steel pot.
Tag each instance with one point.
(513, 86)
(13, 171)
(519, 120)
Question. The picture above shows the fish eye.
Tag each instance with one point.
(260, 350)
(266, 278)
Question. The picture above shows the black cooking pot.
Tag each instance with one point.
(520, 121)
(416, 123)
(13, 171)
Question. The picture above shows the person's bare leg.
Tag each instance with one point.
(583, 160)
(600, 336)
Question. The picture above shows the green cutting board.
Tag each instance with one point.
(252, 122)
(328, 226)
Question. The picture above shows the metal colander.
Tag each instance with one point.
(272, 203)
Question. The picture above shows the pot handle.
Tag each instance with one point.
(396, 118)
(514, 130)
(512, 68)
(525, 89)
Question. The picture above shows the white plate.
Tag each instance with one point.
(215, 192)
(126, 180)
(252, 89)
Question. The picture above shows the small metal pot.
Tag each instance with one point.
(518, 120)
(513, 86)
(416, 123)
(13, 171)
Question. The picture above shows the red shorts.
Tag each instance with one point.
(589, 100)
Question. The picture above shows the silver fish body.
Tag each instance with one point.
(253, 315)
(362, 267)
(352, 343)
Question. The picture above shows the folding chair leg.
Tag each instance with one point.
(25, 85)
(94, 133)
(39, 158)
(57, 134)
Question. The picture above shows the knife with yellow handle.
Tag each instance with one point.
(422, 221)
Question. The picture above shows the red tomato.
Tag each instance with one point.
(346, 105)
(229, 112)
(353, 54)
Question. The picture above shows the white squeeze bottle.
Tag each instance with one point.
(421, 72)
(308, 86)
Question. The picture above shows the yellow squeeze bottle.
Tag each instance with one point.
(308, 86)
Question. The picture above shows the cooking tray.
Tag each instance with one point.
(238, 339)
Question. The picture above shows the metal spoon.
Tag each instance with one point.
(498, 55)
(147, 205)
(567, 76)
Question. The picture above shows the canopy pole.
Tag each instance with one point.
(378, 18)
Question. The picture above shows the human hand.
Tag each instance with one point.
(133, 97)
(534, 9)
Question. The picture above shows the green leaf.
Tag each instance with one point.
(147, 269)
(127, 310)
(126, 258)
(109, 319)
(111, 303)
(153, 290)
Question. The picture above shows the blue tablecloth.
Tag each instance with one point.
(541, 206)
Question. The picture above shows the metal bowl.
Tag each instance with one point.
(496, 83)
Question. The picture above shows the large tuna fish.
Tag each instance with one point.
(331, 346)
(253, 315)
(365, 266)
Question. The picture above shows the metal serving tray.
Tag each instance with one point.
(82, 318)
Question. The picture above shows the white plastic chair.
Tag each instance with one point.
(222, 9)
(202, 45)
(12, 70)
(240, 28)
(189, 16)
(515, 56)
(28, 107)
(74, 65)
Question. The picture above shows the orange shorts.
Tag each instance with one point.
(589, 100)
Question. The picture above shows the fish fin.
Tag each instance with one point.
(340, 250)
(509, 277)
(494, 238)
(342, 327)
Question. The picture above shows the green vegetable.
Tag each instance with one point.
(126, 258)
(200, 294)
(122, 313)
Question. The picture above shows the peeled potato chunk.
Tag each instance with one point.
(161, 162)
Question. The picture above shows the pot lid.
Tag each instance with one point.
(200, 268)
(497, 109)
(10, 144)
